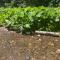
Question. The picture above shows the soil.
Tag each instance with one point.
(14, 46)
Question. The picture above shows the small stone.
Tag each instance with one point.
(4, 47)
(58, 51)
(53, 53)
(56, 40)
(33, 59)
(39, 39)
(58, 58)
(51, 44)
(32, 36)
(29, 45)
(44, 57)
(43, 47)
(11, 41)
(10, 56)
(38, 35)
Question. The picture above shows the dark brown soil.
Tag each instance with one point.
(15, 46)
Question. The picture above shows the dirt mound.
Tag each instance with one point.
(15, 46)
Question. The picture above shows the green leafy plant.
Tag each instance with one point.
(30, 19)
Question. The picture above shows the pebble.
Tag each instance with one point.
(56, 40)
(33, 59)
(38, 35)
(58, 51)
(39, 39)
(44, 57)
(32, 36)
(51, 44)
(30, 45)
(12, 41)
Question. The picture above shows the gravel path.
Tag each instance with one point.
(15, 46)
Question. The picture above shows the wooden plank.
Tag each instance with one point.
(48, 33)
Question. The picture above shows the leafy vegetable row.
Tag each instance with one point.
(30, 19)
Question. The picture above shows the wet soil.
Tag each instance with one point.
(14, 46)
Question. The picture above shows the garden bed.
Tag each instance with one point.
(14, 46)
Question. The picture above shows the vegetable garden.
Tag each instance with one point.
(29, 30)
